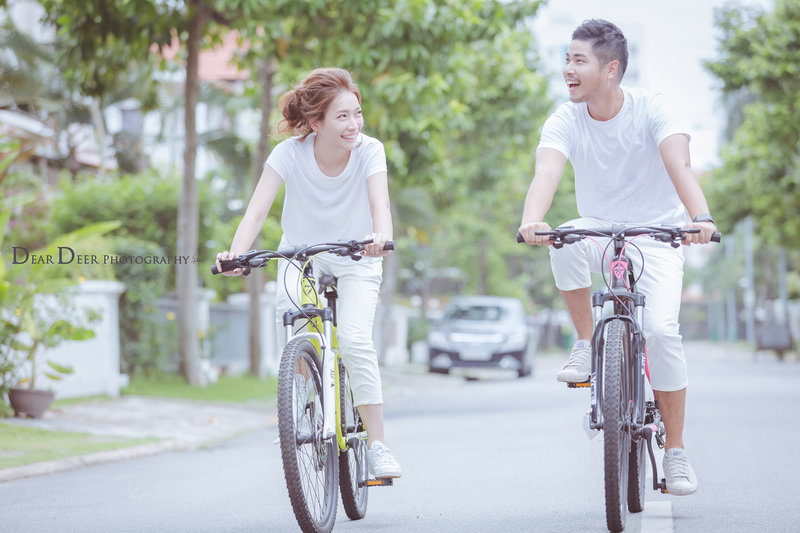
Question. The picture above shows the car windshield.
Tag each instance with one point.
(492, 313)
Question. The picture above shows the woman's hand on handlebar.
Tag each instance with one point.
(528, 232)
(375, 249)
(227, 256)
(707, 229)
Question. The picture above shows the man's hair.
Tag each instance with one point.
(608, 42)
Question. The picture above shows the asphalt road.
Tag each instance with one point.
(496, 454)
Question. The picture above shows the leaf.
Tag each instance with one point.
(61, 369)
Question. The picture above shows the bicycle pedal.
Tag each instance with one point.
(663, 486)
(579, 385)
(378, 482)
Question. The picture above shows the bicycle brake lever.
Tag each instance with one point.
(356, 257)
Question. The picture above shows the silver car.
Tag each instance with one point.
(481, 332)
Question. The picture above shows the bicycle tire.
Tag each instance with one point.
(637, 470)
(352, 462)
(309, 461)
(616, 440)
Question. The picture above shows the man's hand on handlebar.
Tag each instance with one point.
(707, 229)
(528, 232)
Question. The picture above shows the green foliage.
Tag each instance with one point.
(36, 311)
(760, 175)
(146, 205)
(141, 334)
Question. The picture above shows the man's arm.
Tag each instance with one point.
(549, 169)
(675, 154)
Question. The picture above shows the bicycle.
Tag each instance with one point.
(319, 429)
(622, 403)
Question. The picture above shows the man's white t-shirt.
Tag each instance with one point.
(319, 208)
(619, 173)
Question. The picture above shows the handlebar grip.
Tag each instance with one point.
(519, 237)
(388, 245)
(716, 236)
(227, 266)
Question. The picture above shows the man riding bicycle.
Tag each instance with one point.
(632, 166)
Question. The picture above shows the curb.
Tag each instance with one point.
(70, 463)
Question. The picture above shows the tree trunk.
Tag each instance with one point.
(186, 271)
(390, 266)
(255, 281)
(483, 266)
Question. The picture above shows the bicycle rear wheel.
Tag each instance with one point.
(637, 470)
(352, 463)
(616, 439)
(309, 460)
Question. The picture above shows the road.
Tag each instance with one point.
(495, 454)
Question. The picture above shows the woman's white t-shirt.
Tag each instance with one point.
(319, 208)
(619, 173)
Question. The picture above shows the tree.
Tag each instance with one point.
(759, 62)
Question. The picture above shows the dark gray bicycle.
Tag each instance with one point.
(622, 404)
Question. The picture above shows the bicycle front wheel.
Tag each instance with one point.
(352, 463)
(616, 411)
(309, 460)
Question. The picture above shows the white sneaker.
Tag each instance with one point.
(579, 365)
(681, 479)
(381, 461)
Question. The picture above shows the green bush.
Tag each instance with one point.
(141, 333)
(146, 205)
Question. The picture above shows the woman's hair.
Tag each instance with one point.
(608, 42)
(309, 100)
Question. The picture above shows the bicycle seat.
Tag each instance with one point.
(325, 281)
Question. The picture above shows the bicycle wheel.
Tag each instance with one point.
(309, 461)
(352, 463)
(637, 470)
(616, 440)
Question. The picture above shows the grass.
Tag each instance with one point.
(230, 389)
(21, 445)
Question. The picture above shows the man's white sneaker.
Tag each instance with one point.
(681, 479)
(579, 365)
(381, 461)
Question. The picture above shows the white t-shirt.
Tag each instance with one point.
(319, 208)
(619, 173)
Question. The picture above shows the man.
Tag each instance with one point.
(632, 166)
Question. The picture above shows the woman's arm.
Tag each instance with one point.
(257, 210)
(378, 193)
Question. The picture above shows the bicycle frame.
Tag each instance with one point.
(322, 319)
(628, 307)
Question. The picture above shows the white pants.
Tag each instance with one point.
(661, 283)
(358, 286)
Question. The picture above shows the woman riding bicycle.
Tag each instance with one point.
(336, 190)
(631, 162)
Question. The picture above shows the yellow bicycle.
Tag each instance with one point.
(321, 434)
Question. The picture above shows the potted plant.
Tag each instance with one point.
(36, 330)
(36, 313)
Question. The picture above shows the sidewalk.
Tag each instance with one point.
(179, 424)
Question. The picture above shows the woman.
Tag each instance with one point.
(336, 190)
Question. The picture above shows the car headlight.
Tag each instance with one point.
(516, 341)
(437, 338)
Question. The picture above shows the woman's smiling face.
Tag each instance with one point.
(343, 122)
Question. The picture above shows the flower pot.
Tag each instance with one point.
(30, 402)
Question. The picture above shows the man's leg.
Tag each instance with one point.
(672, 405)
(579, 306)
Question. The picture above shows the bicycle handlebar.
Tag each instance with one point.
(260, 258)
(568, 234)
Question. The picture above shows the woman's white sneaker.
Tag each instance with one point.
(381, 461)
